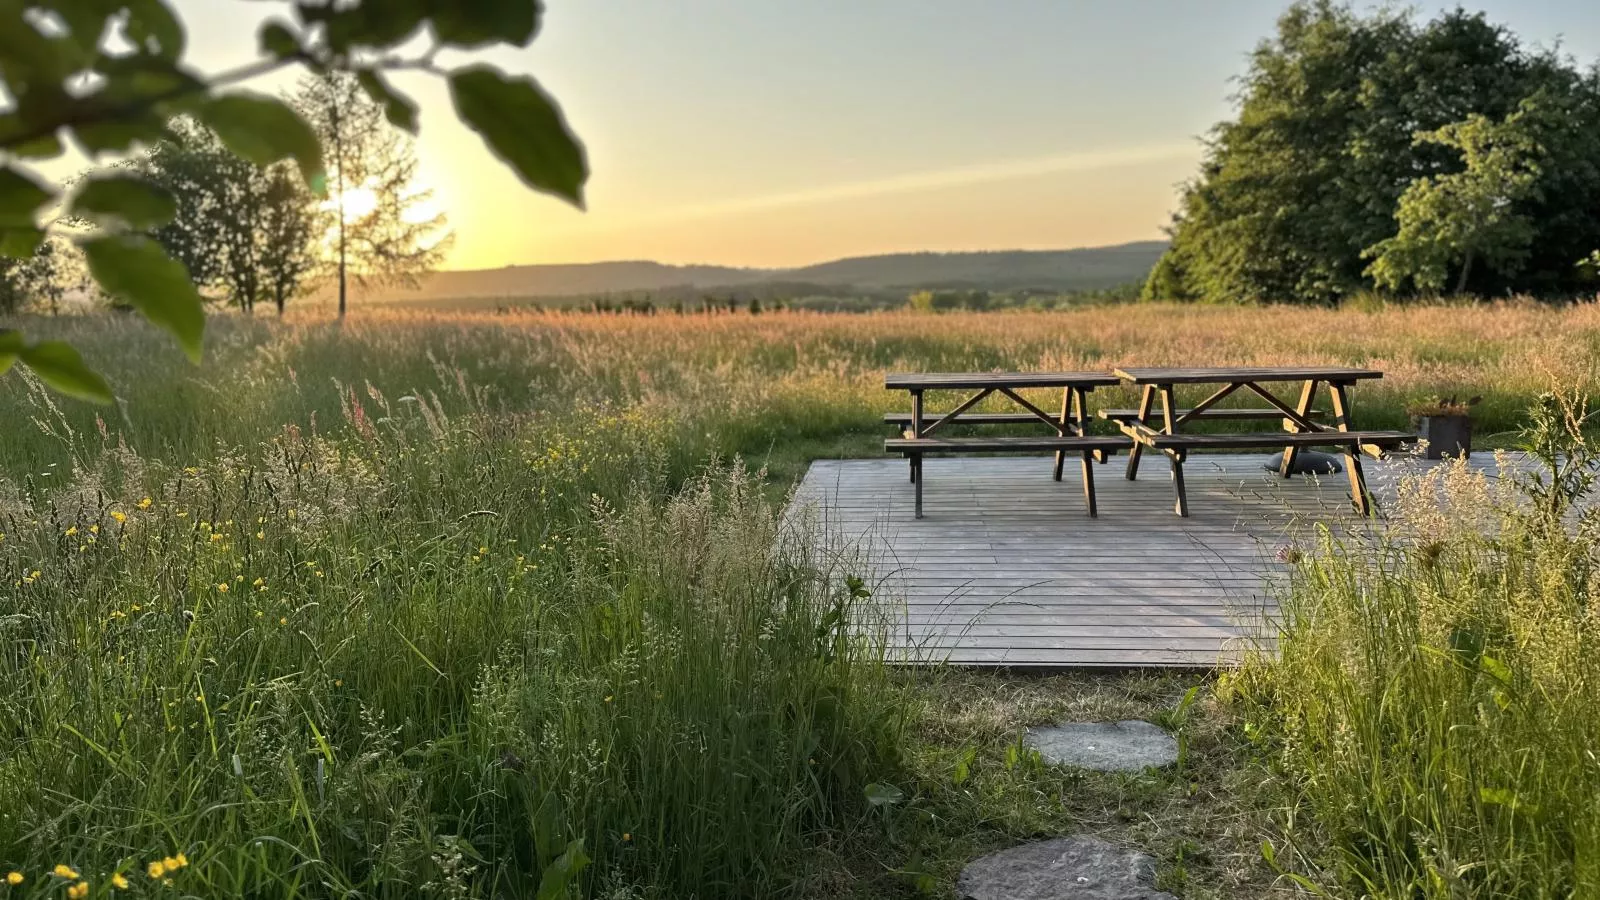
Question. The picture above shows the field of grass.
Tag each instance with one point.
(501, 605)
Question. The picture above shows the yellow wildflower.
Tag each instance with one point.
(72, 531)
(171, 864)
(119, 516)
(258, 582)
(94, 529)
(216, 536)
(261, 535)
(145, 503)
(284, 620)
(62, 870)
(119, 882)
(222, 586)
(182, 860)
(13, 878)
(79, 890)
(156, 869)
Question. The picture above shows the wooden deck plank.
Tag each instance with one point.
(1005, 570)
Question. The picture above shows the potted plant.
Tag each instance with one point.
(1445, 424)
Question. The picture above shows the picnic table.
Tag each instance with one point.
(1171, 435)
(1069, 426)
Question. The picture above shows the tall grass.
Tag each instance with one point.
(423, 652)
(1436, 699)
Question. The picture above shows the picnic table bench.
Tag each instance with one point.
(1301, 428)
(1070, 425)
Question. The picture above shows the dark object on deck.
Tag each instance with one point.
(1447, 436)
(1306, 462)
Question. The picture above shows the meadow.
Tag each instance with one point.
(478, 604)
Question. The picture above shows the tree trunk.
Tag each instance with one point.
(338, 156)
(278, 298)
(1466, 269)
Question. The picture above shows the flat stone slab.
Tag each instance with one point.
(1080, 867)
(1128, 746)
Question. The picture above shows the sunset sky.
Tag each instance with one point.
(768, 133)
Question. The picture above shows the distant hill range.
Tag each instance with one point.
(1007, 271)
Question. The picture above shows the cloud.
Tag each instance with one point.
(959, 176)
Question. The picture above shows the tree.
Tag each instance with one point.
(381, 230)
(1311, 170)
(43, 278)
(243, 231)
(1459, 218)
(110, 74)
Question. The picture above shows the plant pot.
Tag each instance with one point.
(1446, 436)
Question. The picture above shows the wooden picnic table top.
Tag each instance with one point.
(933, 381)
(1231, 375)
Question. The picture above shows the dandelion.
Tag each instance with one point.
(62, 870)
(119, 516)
(79, 890)
(145, 503)
(14, 878)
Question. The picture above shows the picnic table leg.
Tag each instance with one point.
(1068, 397)
(916, 432)
(1182, 505)
(916, 468)
(1308, 393)
(1352, 453)
(1169, 425)
(1080, 411)
(1146, 400)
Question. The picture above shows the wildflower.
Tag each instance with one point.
(156, 869)
(79, 890)
(283, 620)
(258, 582)
(182, 860)
(338, 682)
(145, 503)
(94, 529)
(13, 878)
(72, 531)
(627, 836)
(608, 698)
(261, 535)
(222, 587)
(119, 516)
(119, 882)
(62, 870)
(215, 537)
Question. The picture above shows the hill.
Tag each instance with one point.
(1082, 269)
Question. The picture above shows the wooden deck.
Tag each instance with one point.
(1006, 570)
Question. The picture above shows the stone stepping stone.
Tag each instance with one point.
(1081, 867)
(1128, 746)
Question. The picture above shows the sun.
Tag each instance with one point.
(358, 202)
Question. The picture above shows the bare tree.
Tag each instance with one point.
(382, 231)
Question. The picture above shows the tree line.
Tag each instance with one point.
(1382, 153)
(251, 234)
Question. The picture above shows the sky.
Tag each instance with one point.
(776, 133)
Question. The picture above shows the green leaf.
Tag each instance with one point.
(473, 23)
(524, 127)
(20, 198)
(399, 109)
(277, 40)
(562, 872)
(136, 269)
(129, 198)
(11, 345)
(154, 29)
(19, 243)
(264, 130)
(60, 366)
(880, 794)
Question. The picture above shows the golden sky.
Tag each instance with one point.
(767, 133)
